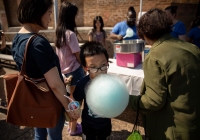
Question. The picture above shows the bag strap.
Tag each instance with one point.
(136, 121)
(23, 71)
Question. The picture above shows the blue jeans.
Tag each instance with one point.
(53, 133)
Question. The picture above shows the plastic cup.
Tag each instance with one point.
(75, 107)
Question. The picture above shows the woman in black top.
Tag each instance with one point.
(34, 15)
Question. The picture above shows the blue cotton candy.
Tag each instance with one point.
(107, 96)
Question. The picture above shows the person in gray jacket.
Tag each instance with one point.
(170, 93)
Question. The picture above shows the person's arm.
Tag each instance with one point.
(90, 38)
(57, 86)
(153, 90)
(74, 46)
(78, 57)
(182, 32)
(90, 35)
(116, 37)
(115, 32)
(53, 79)
(182, 37)
(104, 41)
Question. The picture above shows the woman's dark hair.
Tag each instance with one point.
(172, 9)
(195, 23)
(154, 24)
(66, 21)
(31, 11)
(90, 49)
(100, 19)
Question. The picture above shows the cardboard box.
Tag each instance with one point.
(129, 60)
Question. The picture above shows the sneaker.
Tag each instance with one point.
(78, 130)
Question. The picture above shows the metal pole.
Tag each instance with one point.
(55, 13)
(140, 8)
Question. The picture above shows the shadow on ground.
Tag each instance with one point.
(12, 132)
(121, 128)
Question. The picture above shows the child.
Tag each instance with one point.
(98, 33)
(94, 59)
(67, 49)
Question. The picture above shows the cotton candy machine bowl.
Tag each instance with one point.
(128, 52)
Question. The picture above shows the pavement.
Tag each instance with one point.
(121, 126)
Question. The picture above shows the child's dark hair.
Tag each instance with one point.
(172, 9)
(91, 49)
(100, 19)
(66, 21)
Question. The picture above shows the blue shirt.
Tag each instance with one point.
(194, 34)
(178, 29)
(120, 29)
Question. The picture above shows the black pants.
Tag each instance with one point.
(96, 134)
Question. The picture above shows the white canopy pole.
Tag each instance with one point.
(55, 13)
(140, 9)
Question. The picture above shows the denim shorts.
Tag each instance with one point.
(78, 74)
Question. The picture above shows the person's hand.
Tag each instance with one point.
(71, 96)
(67, 80)
(72, 115)
(119, 37)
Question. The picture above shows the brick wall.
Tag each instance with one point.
(186, 13)
(112, 11)
(3, 19)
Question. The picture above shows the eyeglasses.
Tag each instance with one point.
(130, 19)
(95, 70)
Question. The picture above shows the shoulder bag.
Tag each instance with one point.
(31, 102)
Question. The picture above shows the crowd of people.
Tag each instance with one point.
(169, 94)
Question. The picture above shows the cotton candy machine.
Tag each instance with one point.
(128, 52)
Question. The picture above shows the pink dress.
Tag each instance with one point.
(68, 61)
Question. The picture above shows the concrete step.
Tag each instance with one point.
(50, 35)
